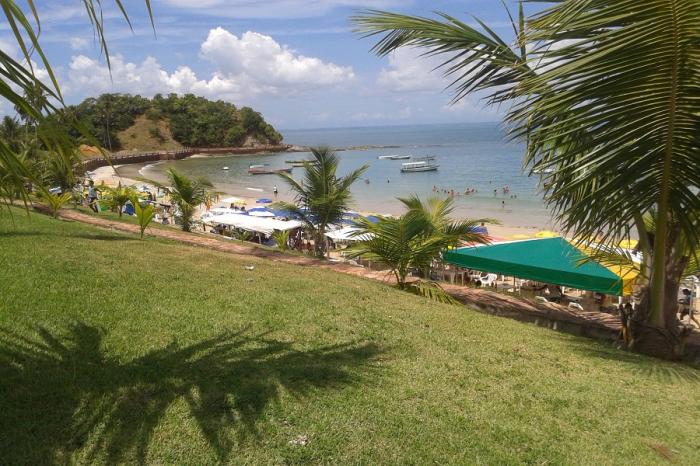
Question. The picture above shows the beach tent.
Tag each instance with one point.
(548, 260)
(260, 213)
(346, 234)
(256, 224)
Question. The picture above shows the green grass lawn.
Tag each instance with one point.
(116, 350)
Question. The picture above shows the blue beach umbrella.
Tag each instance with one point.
(264, 200)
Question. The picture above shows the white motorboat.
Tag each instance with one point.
(421, 164)
(225, 168)
(394, 157)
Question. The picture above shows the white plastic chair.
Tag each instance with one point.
(576, 306)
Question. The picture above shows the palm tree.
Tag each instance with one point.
(415, 239)
(22, 87)
(605, 93)
(10, 132)
(118, 197)
(187, 194)
(323, 197)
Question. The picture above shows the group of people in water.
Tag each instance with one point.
(469, 191)
(453, 193)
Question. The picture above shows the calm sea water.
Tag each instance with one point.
(470, 156)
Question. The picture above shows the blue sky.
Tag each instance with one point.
(297, 61)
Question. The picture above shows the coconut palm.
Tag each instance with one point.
(31, 97)
(10, 132)
(415, 239)
(117, 197)
(187, 194)
(322, 197)
(144, 214)
(605, 93)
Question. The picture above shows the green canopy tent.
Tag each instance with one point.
(550, 260)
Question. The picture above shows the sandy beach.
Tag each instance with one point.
(130, 174)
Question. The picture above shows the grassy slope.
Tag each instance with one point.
(138, 136)
(117, 350)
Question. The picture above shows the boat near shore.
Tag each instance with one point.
(263, 170)
(422, 164)
(394, 157)
(298, 163)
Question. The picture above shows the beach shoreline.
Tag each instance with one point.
(132, 174)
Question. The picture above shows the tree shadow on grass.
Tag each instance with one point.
(94, 236)
(637, 364)
(62, 395)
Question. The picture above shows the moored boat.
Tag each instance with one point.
(394, 157)
(261, 170)
(424, 164)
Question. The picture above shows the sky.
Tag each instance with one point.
(298, 62)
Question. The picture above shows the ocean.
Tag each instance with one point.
(471, 156)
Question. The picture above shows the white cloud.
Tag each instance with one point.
(247, 66)
(87, 76)
(77, 43)
(9, 47)
(266, 61)
(408, 71)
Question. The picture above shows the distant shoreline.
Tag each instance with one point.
(179, 154)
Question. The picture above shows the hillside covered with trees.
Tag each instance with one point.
(118, 121)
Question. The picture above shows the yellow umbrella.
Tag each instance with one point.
(521, 236)
(546, 234)
(628, 243)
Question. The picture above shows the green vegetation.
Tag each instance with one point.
(321, 198)
(144, 215)
(117, 197)
(115, 350)
(187, 120)
(55, 201)
(282, 239)
(604, 93)
(187, 194)
(416, 239)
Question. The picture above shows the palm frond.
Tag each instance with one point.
(473, 60)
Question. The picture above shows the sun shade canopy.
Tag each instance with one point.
(550, 260)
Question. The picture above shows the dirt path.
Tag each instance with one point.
(590, 324)
(233, 247)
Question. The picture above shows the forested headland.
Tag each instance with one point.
(124, 121)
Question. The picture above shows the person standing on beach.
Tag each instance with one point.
(92, 196)
(274, 190)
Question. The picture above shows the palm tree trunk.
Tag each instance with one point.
(665, 341)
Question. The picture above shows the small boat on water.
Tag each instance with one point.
(423, 164)
(225, 168)
(261, 170)
(394, 157)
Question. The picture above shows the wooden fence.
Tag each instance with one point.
(155, 156)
